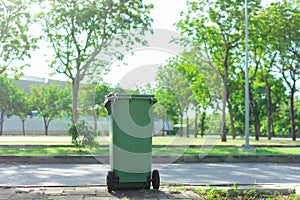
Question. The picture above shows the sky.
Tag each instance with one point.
(161, 20)
(165, 14)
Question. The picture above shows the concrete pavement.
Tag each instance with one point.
(100, 192)
(87, 181)
(90, 193)
(188, 173)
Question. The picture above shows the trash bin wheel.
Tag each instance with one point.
(155, 179)
(110, 181)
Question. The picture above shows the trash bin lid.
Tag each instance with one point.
(115, 96)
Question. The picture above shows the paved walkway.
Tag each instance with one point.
(189, 173)
(71, 181)
(90, 193)
(100, 192)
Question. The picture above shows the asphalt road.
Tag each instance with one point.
(192, 173)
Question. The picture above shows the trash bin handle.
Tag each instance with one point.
(153, 100)
(115, 98)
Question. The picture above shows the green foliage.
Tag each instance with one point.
(86, 99)
(100, 92)
(83, 35)
(50, 101)
(8, 99)
(82, 135)
(216, 29)
(15, 41)
(273, 49)
(22, 107)
(235, 189)
(176, 91)
(167, 106)
(214, 193)
(204, 84)
(287, 20)
(250, 194)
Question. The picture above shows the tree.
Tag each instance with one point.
(237, 85)
(22, 107)
(277, 97)
(50, 101)
(297, 109)
(86, 102)
(216, 27)
(167, 105)
(286, 17)
(7, 99)
(175, 83)
(194, 69)
(16, 43)
(91, 100)
(264, 56)
(101, 91)
(80, 32)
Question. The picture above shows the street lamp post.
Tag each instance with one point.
(247, 146)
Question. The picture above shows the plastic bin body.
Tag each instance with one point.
(130, 131)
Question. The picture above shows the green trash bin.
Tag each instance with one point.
(130, 148)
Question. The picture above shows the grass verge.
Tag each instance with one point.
(212, 193)
(157, 140)
(69, 151)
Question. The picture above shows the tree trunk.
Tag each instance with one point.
(181, 122)
(223, 128)
(196, 122)
(254, 116)
(292, 114)
(187, 123)
(1, 122)
(46, 124)
(75, 90)
(163, 126)
(298, 128)
(95, 120)
(203, 122)
(231, 120)
(269, 107)
(23, 126)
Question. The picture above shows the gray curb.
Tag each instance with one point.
(155, 159)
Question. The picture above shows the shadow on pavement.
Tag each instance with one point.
(143, 194)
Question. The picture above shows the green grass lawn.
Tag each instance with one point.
(157, 140)
(51, 151)
(35, 140)
(172, 140)
(212, 193)
(231, 147)
(156, 151)
(226, 151)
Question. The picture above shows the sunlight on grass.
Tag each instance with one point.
(59, 151)
(172, 145)
(157, 140)
(173, 140)
(227, 151)
(71, 151)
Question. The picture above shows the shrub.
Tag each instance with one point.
(83, 135)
